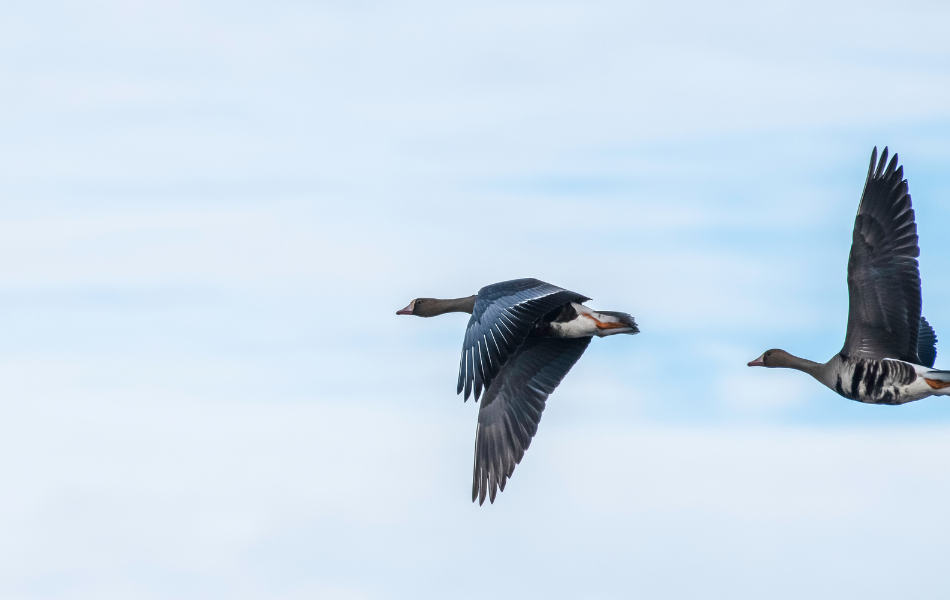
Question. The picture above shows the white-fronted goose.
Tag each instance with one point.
(889, 349)
(523, 338)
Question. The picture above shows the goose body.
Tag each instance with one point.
(884, 381)
(522, 339)
(889, 348)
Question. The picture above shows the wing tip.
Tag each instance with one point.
(884, 169)
(881, 163)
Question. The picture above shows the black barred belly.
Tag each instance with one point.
(875, 381)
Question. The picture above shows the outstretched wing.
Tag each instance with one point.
(883, 278)
(504, 314)
(926, 344)
(512, 406)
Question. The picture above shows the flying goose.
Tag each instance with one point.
(523, 338)
(889, 349)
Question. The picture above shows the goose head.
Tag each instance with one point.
(431, 307)
(416, 307)
(776, 358)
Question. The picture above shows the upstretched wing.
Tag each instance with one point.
(504, 314)
(883, 278)
(512, 406)
(926, 344)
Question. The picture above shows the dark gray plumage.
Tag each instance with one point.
(522, 339)
(926, 344)
(883, 277)
(511, 408)
(889, 349)
(504, 315)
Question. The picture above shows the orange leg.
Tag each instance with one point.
(602, 325)
(937, 385)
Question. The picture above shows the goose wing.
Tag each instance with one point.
(926, 344)
(512, 406)
(883, 277)
(503, 317)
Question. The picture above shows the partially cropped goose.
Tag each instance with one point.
(889, 349)
(523, 338)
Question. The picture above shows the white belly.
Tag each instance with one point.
(587, 324)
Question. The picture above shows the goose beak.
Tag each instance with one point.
(407, 310)
(759, 362)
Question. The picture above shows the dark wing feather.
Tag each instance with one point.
(883, 278)
(512, 406)
(926, 344)
(503, 317)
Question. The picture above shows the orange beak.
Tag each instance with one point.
(407, 310)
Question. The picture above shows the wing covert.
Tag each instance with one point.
(503, 316)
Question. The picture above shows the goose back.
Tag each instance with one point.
(503, 317)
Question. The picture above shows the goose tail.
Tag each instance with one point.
(623, 318)
(939, 381)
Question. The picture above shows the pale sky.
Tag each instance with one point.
(211, 212)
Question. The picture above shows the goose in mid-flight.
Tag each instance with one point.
(889, 349)
(522, 339)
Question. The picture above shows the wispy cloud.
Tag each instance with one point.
(211, 213)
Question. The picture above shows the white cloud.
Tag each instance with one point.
(211, 212)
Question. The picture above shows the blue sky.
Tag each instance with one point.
(211, 211)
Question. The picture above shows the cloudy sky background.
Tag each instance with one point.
(211, 211)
